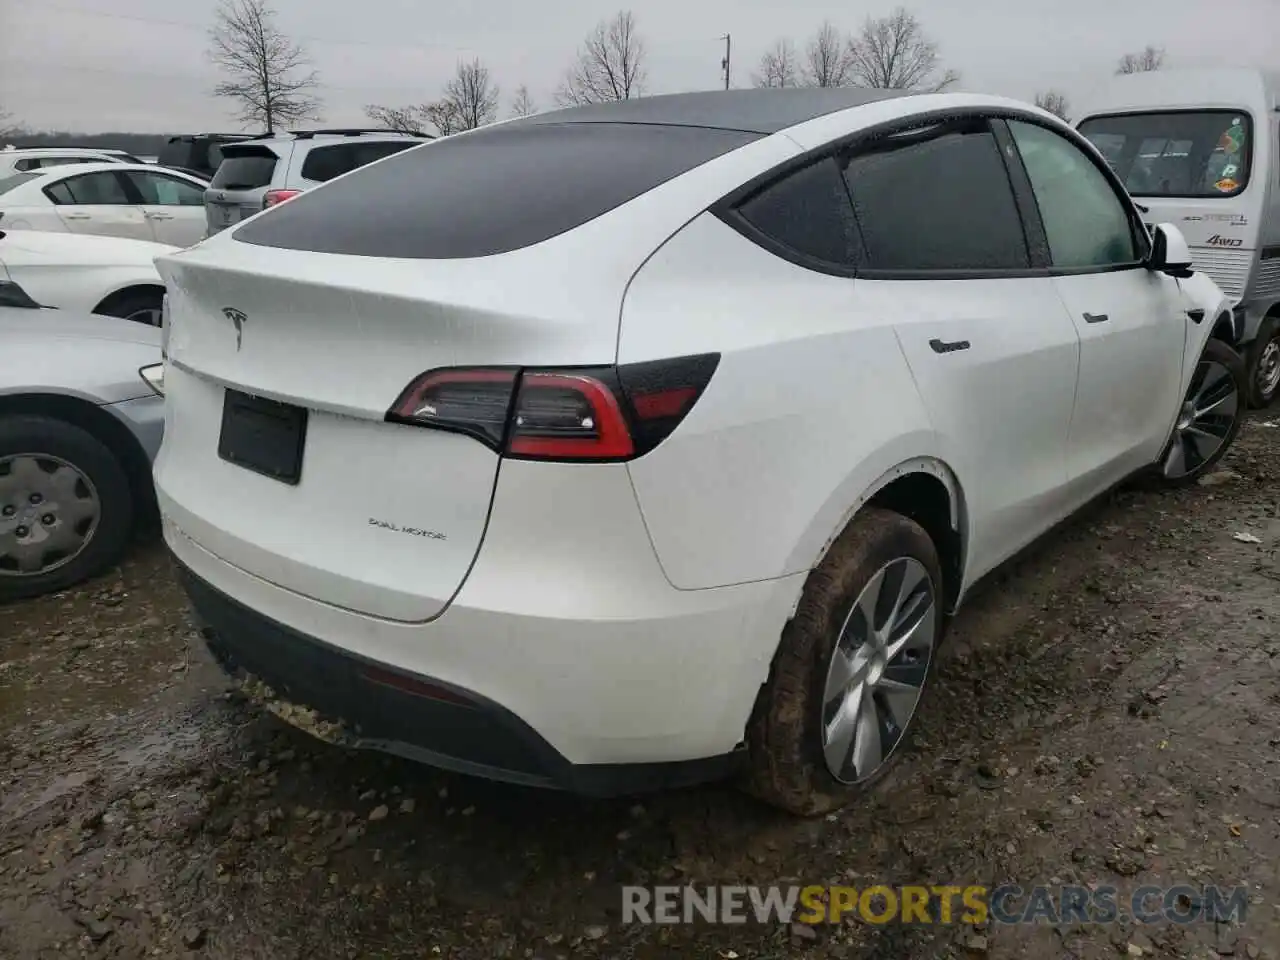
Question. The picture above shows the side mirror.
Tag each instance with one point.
(1169, 252)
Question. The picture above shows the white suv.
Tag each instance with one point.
(619, 446)
(259, 172)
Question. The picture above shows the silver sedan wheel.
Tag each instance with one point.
(878, 670)
(1205, 420)
(49, 513)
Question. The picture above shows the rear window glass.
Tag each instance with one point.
(246, 168)
(325, 163)
(16, 180)
(489, 192)
(1185, 153)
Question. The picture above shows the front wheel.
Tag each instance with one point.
(851, 669)
(1210, 417)
(1264, 364)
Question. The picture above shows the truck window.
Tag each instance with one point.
(1176, 153)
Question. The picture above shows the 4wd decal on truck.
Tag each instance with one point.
(1217, 240)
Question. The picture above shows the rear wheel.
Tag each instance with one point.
(141, 306)
(1210, 417)
(851, 670)
(1264, 364)
(65, 506)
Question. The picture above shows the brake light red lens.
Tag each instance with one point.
(568, 416)
(597, 414)
(273, 197)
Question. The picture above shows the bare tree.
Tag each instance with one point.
(522, 104)
(894, 53)
(473, 95)
(1151, 58)
(444, 116)
(399, 119)
(1053, 101)
(610, 64)
(266, 72)
(779, 66)
(826, 59)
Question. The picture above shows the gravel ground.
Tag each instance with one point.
(1107, 712)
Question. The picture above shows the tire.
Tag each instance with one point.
(48, 442)
(142, 306)
(1263, 364)
(787, 756)
(1217, 356)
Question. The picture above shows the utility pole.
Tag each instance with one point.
(724, 64)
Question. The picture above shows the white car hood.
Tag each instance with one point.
(21, 247)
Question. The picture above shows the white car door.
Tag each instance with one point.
(98, 203)
(991, 348)
(173, 206)
(1132, 321)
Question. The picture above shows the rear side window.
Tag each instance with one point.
(490, 191)
(244, 168)
(807, 212)
(325, 163)
(937, 200)
(97, 189)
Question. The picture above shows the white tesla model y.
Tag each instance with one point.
(627, 445)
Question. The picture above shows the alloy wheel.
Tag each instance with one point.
(1269, 368)
(878, 670)
(1205, 420)
(49, 512)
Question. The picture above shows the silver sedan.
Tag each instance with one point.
(81, 417)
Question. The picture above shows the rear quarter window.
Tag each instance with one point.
(325, 163)
(244, 168)
(490, 191)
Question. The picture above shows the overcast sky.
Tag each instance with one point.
(140, 65)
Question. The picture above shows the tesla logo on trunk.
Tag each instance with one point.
(238, 318)
(1217, 240)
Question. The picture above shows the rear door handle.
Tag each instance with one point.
(1096, 318)
(77, 216)
(948, 346)
(159, 216)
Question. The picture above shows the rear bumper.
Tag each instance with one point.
(572, 651)
(416, 717)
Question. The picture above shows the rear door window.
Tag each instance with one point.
(489, 191)
(937, 200)
(104, 189)
(245, 168)
(325, 163)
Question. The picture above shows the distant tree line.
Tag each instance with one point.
(269, 80)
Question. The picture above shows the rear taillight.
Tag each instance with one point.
(596, 414)
(272, 197)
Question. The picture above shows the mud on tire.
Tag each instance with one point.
(786, 766)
